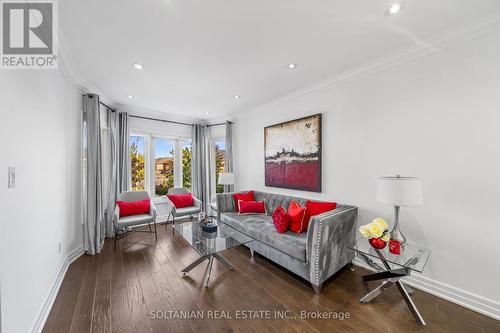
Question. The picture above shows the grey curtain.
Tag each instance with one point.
(94, 224)
(228, 165)
(118, 172)
(200, 164)
(123, 152)
(113, 172)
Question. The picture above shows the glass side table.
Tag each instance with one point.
(391, 268)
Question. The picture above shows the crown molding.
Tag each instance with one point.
(138, 111)
(72, 75)
(477, 29)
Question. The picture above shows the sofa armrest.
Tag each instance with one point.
(328, 237)
(225, 203)
(170, 204)
(197, 203)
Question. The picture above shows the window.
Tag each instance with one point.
(187, 153)
(159, 163)
(220, 157)
(164, 165)
(137, 162)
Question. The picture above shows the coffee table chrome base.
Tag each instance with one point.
(391, 278)
(210, 259)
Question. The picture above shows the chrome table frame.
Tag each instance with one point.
(210, 259)
(391, 277)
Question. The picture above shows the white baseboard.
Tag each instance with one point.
(51, 297)
(480, 304)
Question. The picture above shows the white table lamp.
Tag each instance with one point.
(226, 178)
(399, 191)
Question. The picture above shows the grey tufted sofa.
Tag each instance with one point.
(314, 255)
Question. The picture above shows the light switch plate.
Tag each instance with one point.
(12, 177)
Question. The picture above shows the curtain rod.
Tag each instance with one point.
(219, 124)
(162, 120)
(103, 104)
(109, 107)
(155, 119)
(175, 122)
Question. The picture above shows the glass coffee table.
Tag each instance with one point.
(209, 245)
(391, 268)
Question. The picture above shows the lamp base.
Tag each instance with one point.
(396, 233)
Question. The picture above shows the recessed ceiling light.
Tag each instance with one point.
(207, 113)
(292, 66)
(130, 96)
(236, 96)
(394, 8)
(138, 66)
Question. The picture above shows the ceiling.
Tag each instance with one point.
(198, 54)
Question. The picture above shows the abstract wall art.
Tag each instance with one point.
(292, 153)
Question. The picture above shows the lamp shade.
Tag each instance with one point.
(400, 191)
(226, 178)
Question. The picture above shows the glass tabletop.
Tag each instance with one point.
(206, 243)
(411, 256)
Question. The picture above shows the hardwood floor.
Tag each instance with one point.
(116, 291)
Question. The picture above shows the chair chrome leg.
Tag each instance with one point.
(173, 224)
(252, 253)
(156, 232)
(168, 219)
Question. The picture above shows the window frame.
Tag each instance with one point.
(213, 166)
(149, 157)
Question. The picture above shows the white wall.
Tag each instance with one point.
(40, 134)
(438, 118)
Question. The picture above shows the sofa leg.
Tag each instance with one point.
(317, 288)
(252, 253)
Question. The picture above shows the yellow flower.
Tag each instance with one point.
(365, 232)
(375, 230)
(381, 223)
(386, 237)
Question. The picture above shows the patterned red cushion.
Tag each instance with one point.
(297, 217)
(181, 200)
(252, 207)
(281, 220)
(134, 207)
(243, 197)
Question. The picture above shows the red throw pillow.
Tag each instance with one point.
(134, 207)
(281, 220)
(252, 207)
(297, 217)
(315, 208)
(243, 197)
(181, 200)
